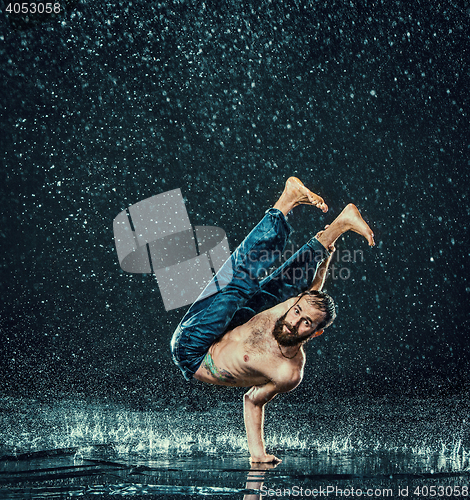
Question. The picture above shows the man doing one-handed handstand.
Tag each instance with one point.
(249, 332)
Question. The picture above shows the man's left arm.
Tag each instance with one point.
(322, 270)
(253, 410)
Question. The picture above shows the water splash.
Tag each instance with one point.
(148, 435)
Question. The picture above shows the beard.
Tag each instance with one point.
(287, 339)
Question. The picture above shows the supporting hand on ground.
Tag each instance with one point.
(266, 459)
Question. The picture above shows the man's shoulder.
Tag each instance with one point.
(287, 376)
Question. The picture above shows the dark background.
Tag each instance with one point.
(106, 104)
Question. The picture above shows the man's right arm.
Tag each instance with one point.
(253, 406)
(253, 409)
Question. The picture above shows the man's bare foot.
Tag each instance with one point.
(295, 193)
(348, 220)
(357, 224)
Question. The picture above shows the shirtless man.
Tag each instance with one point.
(251, 331)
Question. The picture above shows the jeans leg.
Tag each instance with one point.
(297, 273)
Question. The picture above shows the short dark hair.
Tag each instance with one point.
(324, 302)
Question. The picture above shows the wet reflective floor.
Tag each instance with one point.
(346, 448)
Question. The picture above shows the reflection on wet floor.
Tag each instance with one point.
(73, 448)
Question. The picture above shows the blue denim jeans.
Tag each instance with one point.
(242, 289)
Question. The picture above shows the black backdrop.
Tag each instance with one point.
(105, 104)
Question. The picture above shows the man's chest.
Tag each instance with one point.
(258, 339)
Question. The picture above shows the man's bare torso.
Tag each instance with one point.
(249, 355)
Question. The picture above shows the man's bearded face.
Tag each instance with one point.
(285, 338)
